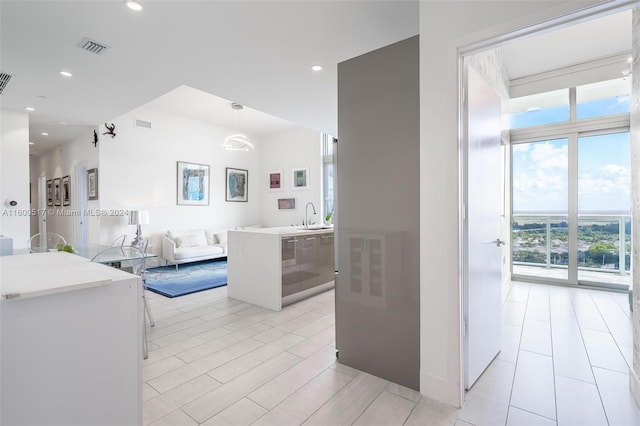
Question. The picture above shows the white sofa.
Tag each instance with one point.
(191, 245)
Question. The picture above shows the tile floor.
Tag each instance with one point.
(218, 361)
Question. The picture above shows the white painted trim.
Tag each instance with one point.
(618, 121)
(440, 389)
(589, 72)
(497, 36)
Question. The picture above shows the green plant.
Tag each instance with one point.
(65, 247)
(327, 218)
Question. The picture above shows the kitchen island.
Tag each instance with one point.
(70, 338)
(273, 267)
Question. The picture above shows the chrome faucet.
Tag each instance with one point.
(306, 214)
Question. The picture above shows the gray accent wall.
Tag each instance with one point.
(378, 213)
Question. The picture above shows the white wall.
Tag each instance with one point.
(14, 175)
(635, 195)
(284, 151)
(444, 27)
(61, 162)
(138, 171)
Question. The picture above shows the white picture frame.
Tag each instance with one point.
(275, 181)
(300, 179)
(192, 184)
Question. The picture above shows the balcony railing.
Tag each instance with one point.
(542, 241)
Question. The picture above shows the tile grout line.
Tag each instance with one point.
(369, 405)
(604, 411)
(553, 364)
(609, 331)
(515, 369)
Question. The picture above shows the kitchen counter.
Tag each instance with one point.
(61, 316)
(290, 231)
(272, 267)
(41, 274)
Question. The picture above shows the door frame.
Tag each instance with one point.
(469, 48)
(80, 226)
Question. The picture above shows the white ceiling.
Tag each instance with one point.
(257, 53)
(195, 104)
(567, 46)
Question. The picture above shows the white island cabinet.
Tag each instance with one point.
(272, 267)
(71, 342)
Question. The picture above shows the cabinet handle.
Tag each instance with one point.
(291, 241)
(325, 238)
(310, 238)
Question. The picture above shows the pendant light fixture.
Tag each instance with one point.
(238, 141)
(133, 5)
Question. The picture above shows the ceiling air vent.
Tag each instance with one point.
(142, 123)
(93, 46)
(4, 81)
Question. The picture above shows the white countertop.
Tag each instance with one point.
(288, 231)
(41, 274)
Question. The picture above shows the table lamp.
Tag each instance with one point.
(138, 218)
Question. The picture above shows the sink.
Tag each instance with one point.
(316, 227)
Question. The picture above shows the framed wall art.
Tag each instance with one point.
(300, 178)
(66, 190)
(92, 184)
(286, 203)
(193, 184)
(50, 192)
(56, 192)
(237, 185)
(274, 180)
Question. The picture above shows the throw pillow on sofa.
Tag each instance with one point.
(189, 240)
(221, 237)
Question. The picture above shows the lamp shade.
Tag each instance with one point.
(138, 217)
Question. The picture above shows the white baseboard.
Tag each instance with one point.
(440, 390)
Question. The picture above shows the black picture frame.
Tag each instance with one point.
(66, 190)
(50, 193)
(92, 184)
(237, 185)
(57, 196)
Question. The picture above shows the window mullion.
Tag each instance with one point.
(573, 209)
(572, 105)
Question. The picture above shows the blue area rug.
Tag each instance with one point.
(189, 278)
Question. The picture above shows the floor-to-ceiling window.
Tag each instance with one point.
(328, 178)
(571, 185)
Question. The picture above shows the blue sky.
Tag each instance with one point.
(540, 169)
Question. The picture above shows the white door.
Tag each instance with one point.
(80, 203)
(482, 266)
(42, 205)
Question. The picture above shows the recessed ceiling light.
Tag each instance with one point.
(31, 143)
(316, 67)
(44, 134)
(66, 74)
(30, 108)
(134, 5)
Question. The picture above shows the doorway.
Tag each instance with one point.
(80, 225)
(573, 221)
